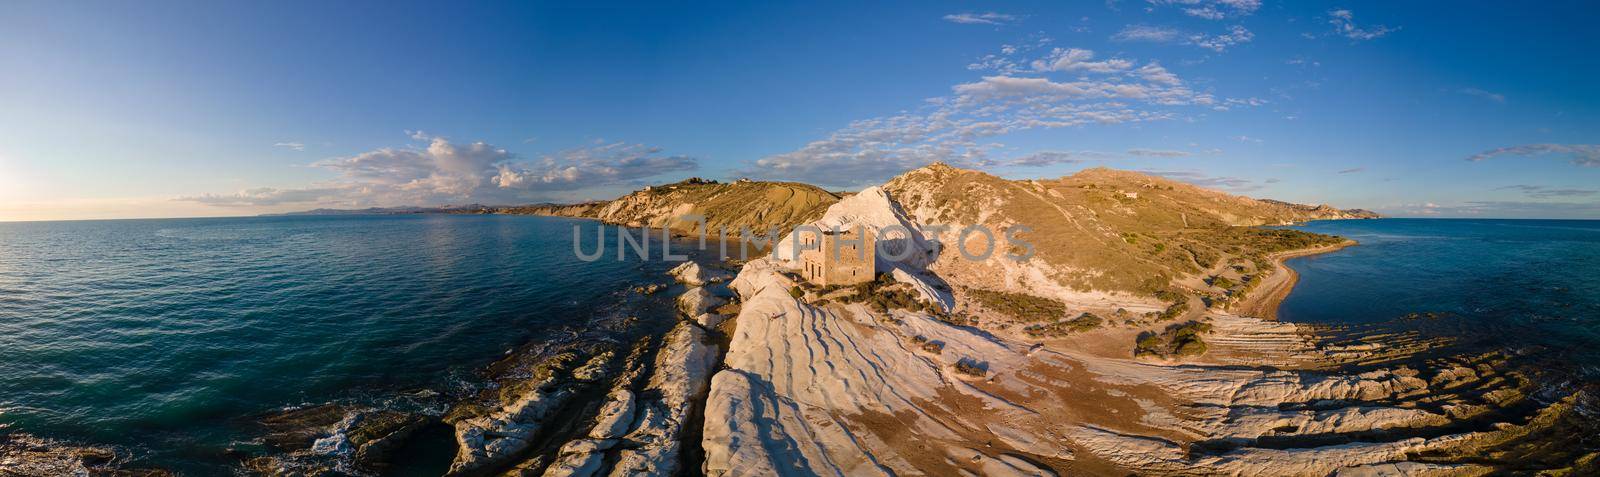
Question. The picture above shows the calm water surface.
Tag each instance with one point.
(1517, 281)
(164, 335)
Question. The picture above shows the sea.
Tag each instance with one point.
(1531, 284)
(168, 338)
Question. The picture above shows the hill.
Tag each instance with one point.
(755, 204)
(1109, 230)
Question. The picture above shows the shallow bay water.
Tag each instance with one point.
(1506, 282)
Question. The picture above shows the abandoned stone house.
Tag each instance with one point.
(853, 263)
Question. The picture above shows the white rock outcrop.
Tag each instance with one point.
(872, 210)
(682, 368)
(497, 439)
(836, 390)
(694, 274)
(697, 301)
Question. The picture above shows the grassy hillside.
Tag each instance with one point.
(753, 204)
(1109, 230)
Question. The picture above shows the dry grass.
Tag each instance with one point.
(1091, 228)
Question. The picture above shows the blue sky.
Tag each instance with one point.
(164, 109)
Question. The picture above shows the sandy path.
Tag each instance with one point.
(1264, 303)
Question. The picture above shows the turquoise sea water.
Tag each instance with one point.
(166, 336)
(1511, 282)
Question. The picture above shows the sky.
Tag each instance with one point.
(187, 109)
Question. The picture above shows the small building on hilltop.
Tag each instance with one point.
(852, 262)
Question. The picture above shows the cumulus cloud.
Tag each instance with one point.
(1498, 98)
(290, 145)
(1213, 9)
(1061, 87)
(446, 172)
(1581, 154)
(985, 18)
(1344, 24)
(1157, 153)
(1078, 59)
(583, 167)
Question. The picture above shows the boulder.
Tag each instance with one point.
(694, 274)
(698, 301)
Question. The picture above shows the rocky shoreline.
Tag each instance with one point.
(973, 368)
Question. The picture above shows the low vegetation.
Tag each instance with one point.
(1020, 306)
(883, 294)
(1177, 341)
(1084, 322)
(933, 347)
(969, 368)
(1179, 306)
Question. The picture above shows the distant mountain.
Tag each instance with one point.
(403, 210)
(1324, 211)
(758, 205)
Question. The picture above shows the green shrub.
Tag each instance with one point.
(1190, 348)
(1084, 322)
(1021, 306)
(969, 368)
(1182, 341)
(796, 292)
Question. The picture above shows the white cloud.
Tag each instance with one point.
(1155, 73)
(290, 145)
(268, 196)
(1157, 153)
(1050, 158)
(985, 18)
(1213, 9)
(1542, 192)
(1154, 34)
(1201, 179)
(1219, 43)
(1344, 24)
(1065, 87)
(418, 135)
(584, 167)
(1233, 36)
(1510, 208)
(446, 172)
(1078, 59)
(1580, 154)
(1498, 98)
